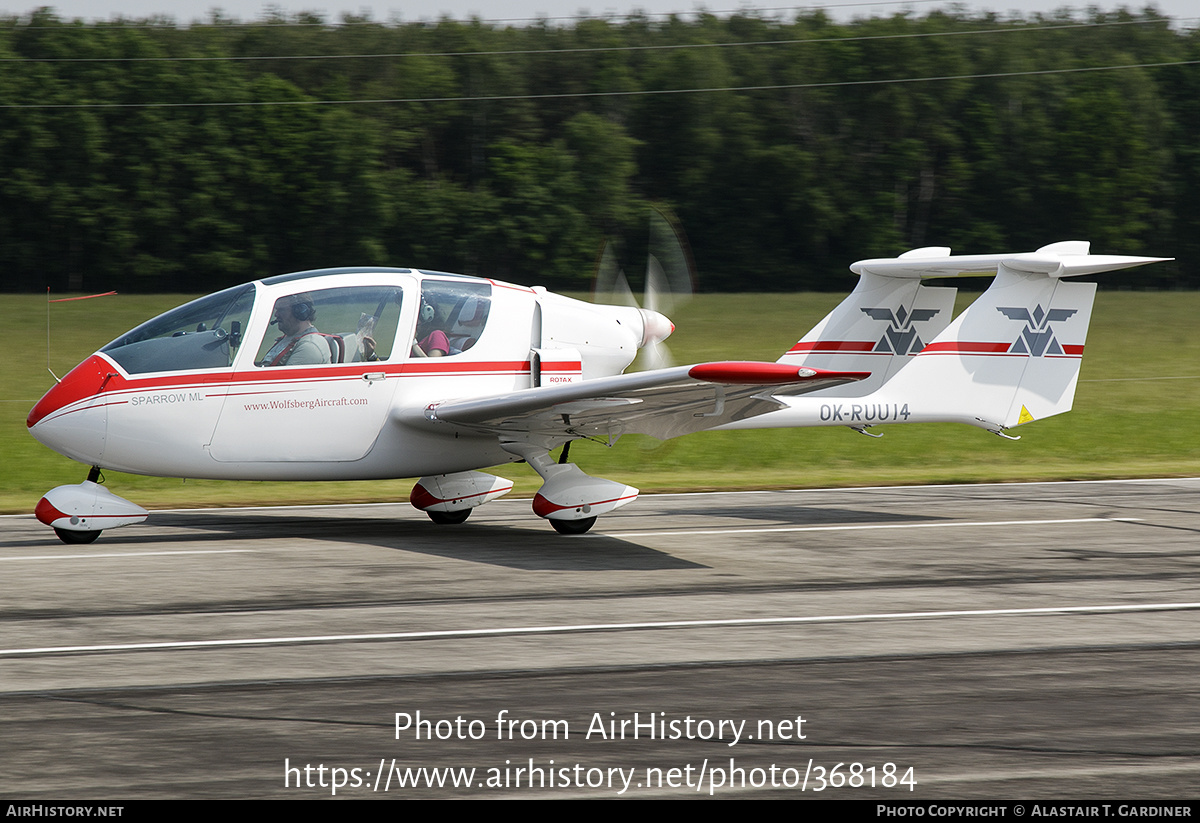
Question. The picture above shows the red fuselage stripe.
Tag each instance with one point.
(834, 345)
(963, 347)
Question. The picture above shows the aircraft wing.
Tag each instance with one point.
(663, 403)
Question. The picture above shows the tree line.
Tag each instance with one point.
(164, 157)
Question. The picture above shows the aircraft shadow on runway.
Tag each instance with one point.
(519, 543)
(795, 515)
(531, 545)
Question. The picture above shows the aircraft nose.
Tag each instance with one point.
(656, 327)
(71, 417)
(84, 381)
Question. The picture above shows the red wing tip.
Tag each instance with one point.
(756, 373)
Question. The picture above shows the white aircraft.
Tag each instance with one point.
(421, 373)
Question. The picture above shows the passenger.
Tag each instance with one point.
(300, 344)
(435, 343)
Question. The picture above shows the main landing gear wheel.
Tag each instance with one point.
(573, 526)
(449, 518)
(76, 538)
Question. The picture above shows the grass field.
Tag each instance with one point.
(1136, 414)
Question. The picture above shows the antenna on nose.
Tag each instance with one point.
(57, 379)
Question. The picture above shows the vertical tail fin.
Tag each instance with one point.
(879, 327)
(1012, 357)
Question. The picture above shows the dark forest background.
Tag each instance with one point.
(172, 158)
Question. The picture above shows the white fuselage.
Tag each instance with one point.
(337, 420)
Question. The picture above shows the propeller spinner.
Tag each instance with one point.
(669, 284)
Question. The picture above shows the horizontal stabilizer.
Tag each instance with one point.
(1069, 258)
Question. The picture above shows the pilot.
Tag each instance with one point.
(300, 344)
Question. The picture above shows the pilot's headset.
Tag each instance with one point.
(428, 312)
(303, 308)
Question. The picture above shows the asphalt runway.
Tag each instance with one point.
(956, 642)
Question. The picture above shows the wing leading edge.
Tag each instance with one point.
(664, 403)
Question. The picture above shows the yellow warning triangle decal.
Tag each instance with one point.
(1025, 417)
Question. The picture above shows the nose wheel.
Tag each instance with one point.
(76, 538)
(573, 526)
(449, 518)
(76, 512)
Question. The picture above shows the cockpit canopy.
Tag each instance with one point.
(344, 324)
(201, 334)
